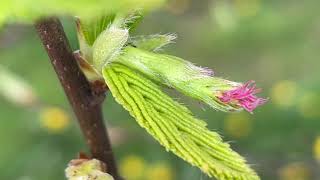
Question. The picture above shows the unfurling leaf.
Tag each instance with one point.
(153, 42)
(128, 19)
(90, 29)
(174, 126)
(108, 46)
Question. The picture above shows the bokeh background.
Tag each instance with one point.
(276, 43)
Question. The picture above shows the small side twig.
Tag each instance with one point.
(78, 90)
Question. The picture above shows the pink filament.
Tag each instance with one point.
(244, 96)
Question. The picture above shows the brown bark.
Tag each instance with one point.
(85, 101)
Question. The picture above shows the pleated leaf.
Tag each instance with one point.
(174, 126)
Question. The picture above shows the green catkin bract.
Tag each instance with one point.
(174, 126)
(177, 73)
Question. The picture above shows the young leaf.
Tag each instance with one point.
(108, 46)
(128, 19)
(173, 125)
(153, 42)
(91, 28)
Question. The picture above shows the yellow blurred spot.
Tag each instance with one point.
(178, 6)
(159, 172)
(247, 8)
(284, 93)
(238, 125)
(295, 171)
(316, 149)
(54, 119)
(132, 167)
(309, 104)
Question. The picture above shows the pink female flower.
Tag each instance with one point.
(243, 96)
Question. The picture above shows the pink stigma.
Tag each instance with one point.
(244, 96)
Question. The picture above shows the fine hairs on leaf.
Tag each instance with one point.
(128, 19)
(91, 28)
(174, 126)
(153, 42)
(134, 71)
(102, 51)
(191, 80)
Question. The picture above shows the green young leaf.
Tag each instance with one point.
(153, 42)
(98, 31)
(173, 125)
(108, 46)
(90, 29)
(128, 19)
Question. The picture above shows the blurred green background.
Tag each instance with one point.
(275, 43)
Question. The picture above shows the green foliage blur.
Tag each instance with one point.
(275, 43)
(29, 10)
